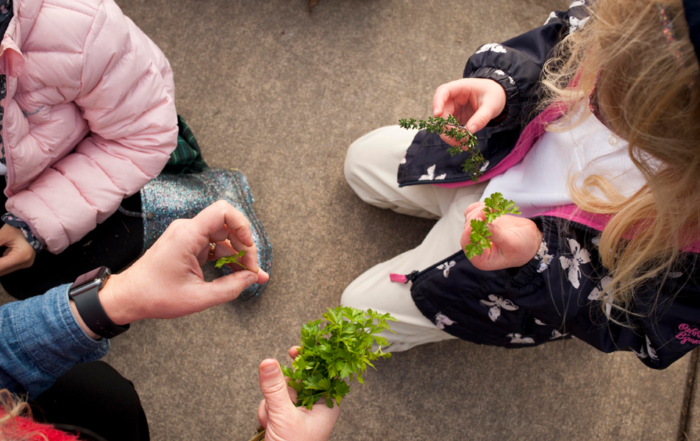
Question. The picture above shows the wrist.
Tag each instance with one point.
(114, 297)
(81, 323)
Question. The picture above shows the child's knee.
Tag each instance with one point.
(355, 158)
(351, 297)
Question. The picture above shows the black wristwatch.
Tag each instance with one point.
(84, 293)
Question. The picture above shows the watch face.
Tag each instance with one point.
(89, 280)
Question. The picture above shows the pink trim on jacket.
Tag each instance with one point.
(595, 221)
(532, 132)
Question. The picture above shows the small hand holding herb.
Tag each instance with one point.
(468, 104)
(494, 206)
(450, 127)
(335, 349)
(492, 241)
(235, 259)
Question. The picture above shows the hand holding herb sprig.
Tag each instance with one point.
(451, 128)
(494, 206)
(231, 259)
(333, 350)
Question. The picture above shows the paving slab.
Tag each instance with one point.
(692, 425)
(281, 94)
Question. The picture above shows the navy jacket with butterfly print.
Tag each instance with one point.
(557, 294)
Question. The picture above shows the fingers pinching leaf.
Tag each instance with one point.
(235, 259)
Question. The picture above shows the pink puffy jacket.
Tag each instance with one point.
(89, 114)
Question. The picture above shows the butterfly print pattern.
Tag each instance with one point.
(430, 175)
(552, 16)
(519, 339)
(484, 166)
(544, 258)
(597, 294)
(441, 320)
(496, 304)
(581, 256)
(650, 349)
(556, 334)
(493, 47)
(445, 267)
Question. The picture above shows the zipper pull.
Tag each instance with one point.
(400, 278)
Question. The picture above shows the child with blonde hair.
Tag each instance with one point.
(591, 125)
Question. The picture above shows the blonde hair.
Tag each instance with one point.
(15, 407)
(648, 90)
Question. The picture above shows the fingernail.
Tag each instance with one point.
(270, 369)
(436, 111)
(472, 128)
(251, 279)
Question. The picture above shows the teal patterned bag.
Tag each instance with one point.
(181, 196)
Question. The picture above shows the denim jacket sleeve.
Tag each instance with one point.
(40, 340)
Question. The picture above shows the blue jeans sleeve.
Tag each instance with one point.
(40, 340)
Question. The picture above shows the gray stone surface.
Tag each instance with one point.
(693, 424)
(280, 95)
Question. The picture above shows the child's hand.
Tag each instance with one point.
(514, 241)
(473, 101)
(19, 254)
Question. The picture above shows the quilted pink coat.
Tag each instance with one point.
(89, 114)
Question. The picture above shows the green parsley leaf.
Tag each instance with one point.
(335, 350)
(231, 259)
(494, 206)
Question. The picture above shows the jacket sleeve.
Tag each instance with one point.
(566, 280)
(126, 98)
(517, 63)
(40, 340)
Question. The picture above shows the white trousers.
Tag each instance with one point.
(371, 166)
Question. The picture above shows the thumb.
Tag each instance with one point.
(497, 234)
(482, 116)
(274, 388)
(227, 288)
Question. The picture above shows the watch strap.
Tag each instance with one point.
(93, 314)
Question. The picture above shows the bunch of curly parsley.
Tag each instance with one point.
(333, 350)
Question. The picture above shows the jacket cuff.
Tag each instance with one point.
(511, 112)
(51, 338)
(16, 222)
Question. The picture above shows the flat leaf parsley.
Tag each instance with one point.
(231, 259)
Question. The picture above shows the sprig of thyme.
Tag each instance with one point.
(451, 128)
(336, 348)
(231, 259)
(495, 206)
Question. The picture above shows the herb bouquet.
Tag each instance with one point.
(332, 350)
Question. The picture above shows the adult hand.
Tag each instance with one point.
(19, 254)
(278, 415)
(167, 282)
(473, 101)
(514, 241)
